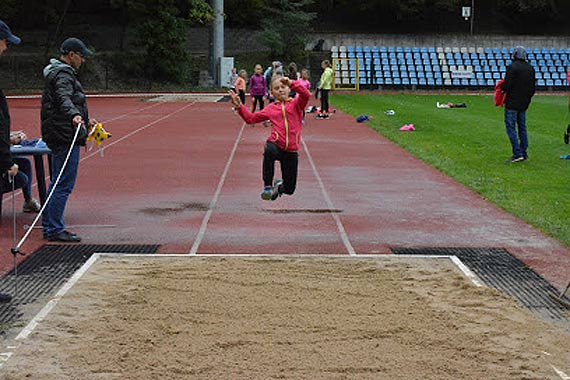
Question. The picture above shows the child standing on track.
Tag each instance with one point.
(305, 79)
(286, 116)
(241, 85)
(257, 88)
(325, 87)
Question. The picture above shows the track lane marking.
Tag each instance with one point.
(330, 205)
(214, 201)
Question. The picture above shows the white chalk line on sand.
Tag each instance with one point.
(330, 205)
(43, 313)
(214, 201)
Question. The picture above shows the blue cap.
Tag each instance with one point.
(75, 45)
(6, 34)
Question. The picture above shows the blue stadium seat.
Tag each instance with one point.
(405, 81)
(558, 83)
(541, 83)
(549, 82)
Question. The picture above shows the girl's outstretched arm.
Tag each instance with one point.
(246, 115)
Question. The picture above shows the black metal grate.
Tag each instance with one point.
(498, 268)
(45, 271)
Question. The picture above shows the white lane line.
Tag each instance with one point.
(341, 230)
(204, 225)
(55, 300)
(139, 130)
(35, 183)
(562, 375)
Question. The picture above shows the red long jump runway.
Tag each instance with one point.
(188, 176)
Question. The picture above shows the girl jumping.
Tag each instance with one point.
(286, 115)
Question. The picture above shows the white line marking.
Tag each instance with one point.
(129, 95)
(139, 130)
(342, 231)
(35, 183)
(474, 279)
(204, 225)
(54, 301)
(562, 375)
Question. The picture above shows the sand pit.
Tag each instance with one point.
(310, 318)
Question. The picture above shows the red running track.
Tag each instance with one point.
(188, 176)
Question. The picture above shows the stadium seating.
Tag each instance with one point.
(464, 67)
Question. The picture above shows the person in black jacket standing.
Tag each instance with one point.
(519, 85)
(64, 109)
(8, 169)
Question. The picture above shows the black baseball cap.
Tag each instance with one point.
(75, 45)
(6, 34)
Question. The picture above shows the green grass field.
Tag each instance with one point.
(471, 146)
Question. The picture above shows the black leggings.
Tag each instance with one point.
(257, 99)
(325, 100)
(289, 162)
(241, 95)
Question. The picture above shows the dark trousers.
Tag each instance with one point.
(325, 100)
(289, 163)
(241, 95)
(257, 99)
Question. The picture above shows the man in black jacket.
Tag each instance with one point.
(519, 85)
(64, 110)
(8, 169)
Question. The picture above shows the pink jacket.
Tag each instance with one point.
(286, 117)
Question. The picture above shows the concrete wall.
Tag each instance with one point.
(500, 41)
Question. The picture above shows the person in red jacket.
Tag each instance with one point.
(286, 117)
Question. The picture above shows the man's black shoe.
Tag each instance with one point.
(65, 237)
(567, 135)
(5, 298)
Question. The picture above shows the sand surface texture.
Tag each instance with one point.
(310, 318)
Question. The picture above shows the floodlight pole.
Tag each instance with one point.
(217, 41)
(472, 15)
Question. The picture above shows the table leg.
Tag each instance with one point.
(40, 177)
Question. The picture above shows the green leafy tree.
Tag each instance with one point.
(160, 30)
(286, 25)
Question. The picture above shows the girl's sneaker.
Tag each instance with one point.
(267, 193)
(275, 192)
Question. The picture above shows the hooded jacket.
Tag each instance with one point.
(286, 118)
(519, 82)
(63, 99)
(6, 161)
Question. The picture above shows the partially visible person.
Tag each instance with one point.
(257, 88)
(325, 87)
(25, 167)
(286, 116)
(241, 85)
(276, 68)
(8, 169)
(293, 74)
(519, 84)
(305, 79)
(64, 109)
(232, 80)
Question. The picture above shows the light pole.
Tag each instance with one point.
(472, 15)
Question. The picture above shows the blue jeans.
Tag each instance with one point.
(52, 220)
(25, 168)
(515, 123)
(21, 180)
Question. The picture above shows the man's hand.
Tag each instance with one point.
(17, 137)
(13, 171)
(77, 119)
